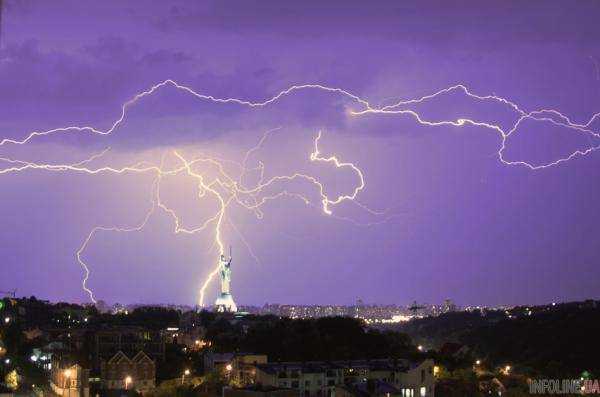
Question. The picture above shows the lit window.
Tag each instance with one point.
(423, 391)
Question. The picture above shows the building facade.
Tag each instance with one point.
(69, 378)
(124, 373)
(129, 340)
(216, 361)
(326, 379)
(243, 368)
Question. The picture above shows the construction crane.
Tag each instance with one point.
(414, 308)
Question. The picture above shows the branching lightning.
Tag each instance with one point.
(227, 188)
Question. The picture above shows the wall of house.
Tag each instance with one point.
(417, 378)
(416, 382)
(142, 375)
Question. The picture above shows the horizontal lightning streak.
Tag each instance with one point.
(228, 189)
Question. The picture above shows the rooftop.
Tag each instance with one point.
(402, 365)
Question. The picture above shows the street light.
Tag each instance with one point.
(127, 382)
(477, 362)
(6, 320)
(228, 367)
(185, 373)
(420, 347)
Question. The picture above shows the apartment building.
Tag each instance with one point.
(402, 378)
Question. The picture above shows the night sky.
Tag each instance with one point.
(451, 219)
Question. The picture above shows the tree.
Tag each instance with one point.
(12, 380)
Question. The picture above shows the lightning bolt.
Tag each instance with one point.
(227, 188)
(536, 115)
(316, 156)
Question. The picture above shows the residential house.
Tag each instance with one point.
(121, 372)
(69, 376)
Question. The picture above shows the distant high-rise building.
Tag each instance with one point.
(224, 302)
(449, 306)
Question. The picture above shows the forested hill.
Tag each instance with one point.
(554, 340)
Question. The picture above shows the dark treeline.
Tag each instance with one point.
(554, 341)
(285, 339)
(557, 343)
(331, 338)
(152, 317)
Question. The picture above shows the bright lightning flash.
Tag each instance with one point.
(228, 189)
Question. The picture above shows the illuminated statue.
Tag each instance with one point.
(225, 301)
(225, 266)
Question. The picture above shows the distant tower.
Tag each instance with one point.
(224, 302)
(414, 308)
(449, 306)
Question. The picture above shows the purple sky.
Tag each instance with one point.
(459, 224)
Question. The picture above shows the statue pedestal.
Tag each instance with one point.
(225, 303)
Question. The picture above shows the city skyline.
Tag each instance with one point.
(405, 165)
